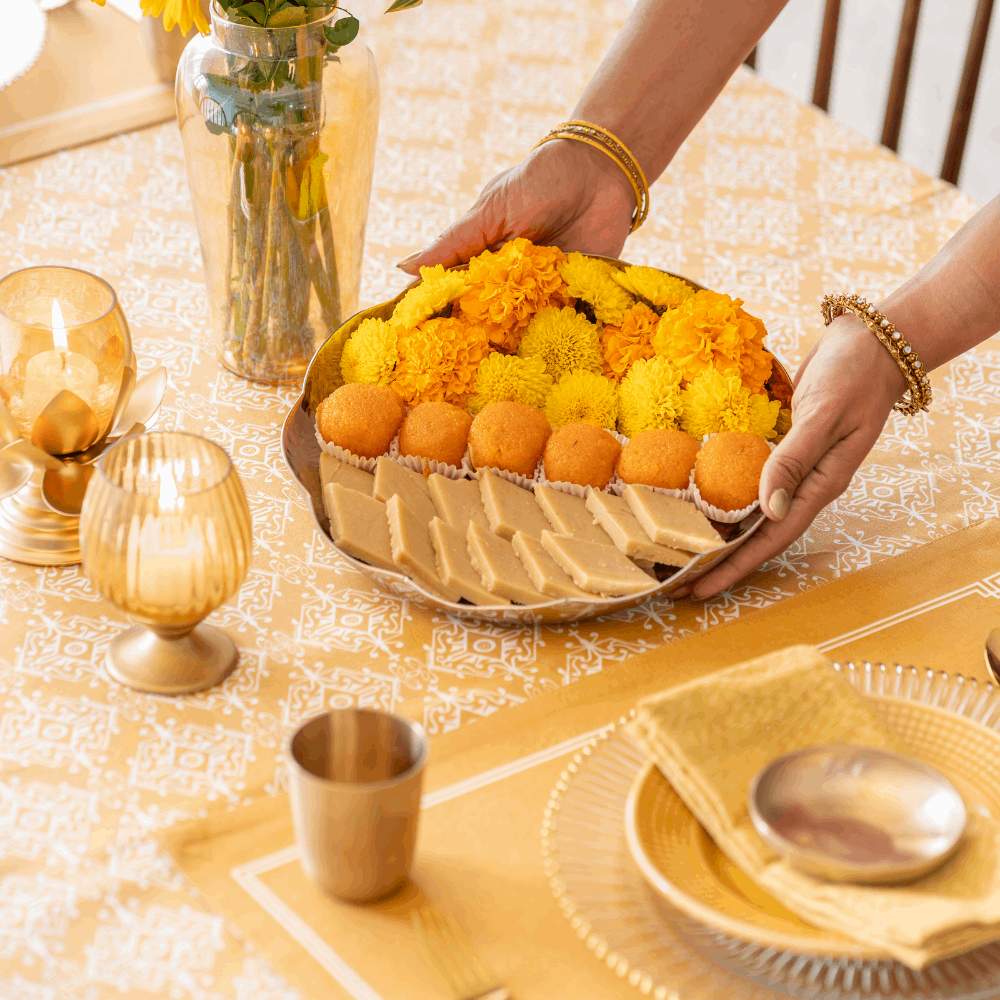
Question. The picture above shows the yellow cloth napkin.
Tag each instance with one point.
(711, 737)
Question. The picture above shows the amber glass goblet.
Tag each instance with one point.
(165, 534)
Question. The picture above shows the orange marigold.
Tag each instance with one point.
(438, 360)
(630, 341)
(510, 286)
(711, 331)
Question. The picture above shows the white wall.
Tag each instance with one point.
(865, 51)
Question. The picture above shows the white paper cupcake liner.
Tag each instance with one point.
(358, 461)
(417, 463)
(574, 489)
(525, 482)
(715, 513)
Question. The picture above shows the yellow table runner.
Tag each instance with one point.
(768, 199)
(479, 844)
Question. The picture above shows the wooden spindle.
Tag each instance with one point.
(751, 60)
(900, 74)
(827, 50)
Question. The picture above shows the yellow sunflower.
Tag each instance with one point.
(182, 12)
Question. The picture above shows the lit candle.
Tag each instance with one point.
(49, 372)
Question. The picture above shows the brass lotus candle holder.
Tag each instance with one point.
(165, 534)
(68, 390)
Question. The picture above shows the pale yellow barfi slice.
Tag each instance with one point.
(599, 569)
(457, 501)
(569, 515)
(454, 566)
(628, 535)
(510, 508)
(546, 574)
(333, 471)
(672, 521)
(501, 570)
(358, 525)
(391, 479)
(412, 551)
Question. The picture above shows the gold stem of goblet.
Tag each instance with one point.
(171, 659)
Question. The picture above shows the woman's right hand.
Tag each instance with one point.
(564, 194)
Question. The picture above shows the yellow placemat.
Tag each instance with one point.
(479, 841)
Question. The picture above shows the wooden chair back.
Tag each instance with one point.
(958, 133)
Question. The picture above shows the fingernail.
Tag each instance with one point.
(410, 259)
(778, 504)
(680, 593)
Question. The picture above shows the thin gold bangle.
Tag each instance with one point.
(612, 147)
(917, 396)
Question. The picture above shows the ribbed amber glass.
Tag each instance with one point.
(165, 531)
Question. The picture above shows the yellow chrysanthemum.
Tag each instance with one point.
(508, 287)
(508, 378)
(100, 3)
(623, 345)
(438, 360)
(437, 288)
(649, 397)
(657, 288)
(370, 355)
(583, 397)
(564, 339)
(716, 402)
(594, 282)
(182, 12)
(711, 331)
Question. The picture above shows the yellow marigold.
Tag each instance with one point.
(508, 287)
(710, 330)
(629, 342)
(717, 401)
(649, 397)
(508, 378)
(583, 397)
(564, 339)
(437, 288)
(594, 282)
(654, 286)
(370, 355)
(438, 360)
(182, 12)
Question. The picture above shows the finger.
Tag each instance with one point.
(790, 463)
(476, 231)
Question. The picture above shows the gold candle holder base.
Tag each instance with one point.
(161, 660)
(31, 532)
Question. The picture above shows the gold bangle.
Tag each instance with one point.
(609, 144)
(917, 396)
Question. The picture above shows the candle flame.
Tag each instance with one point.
(168, 489)
(58, 328)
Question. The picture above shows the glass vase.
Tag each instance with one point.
(279, 130)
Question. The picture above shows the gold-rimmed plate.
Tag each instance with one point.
(300, 451)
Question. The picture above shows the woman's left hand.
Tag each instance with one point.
(844, 393)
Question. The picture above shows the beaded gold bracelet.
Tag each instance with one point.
(609, 144)
(917, 396)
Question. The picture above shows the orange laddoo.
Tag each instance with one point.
(508, 436)
(361, 418)
(438, 431)
(581, 454)
(728, 467)
(657, 457)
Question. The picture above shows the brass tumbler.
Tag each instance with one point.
(356, 778)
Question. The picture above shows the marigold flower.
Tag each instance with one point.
(649, 397)
(564, 339)
(629, 342)
(717, 401)
(583, 397)
(711, 331)
(370, 355)
(508, 378)
(508, 287)
(594, 282)
(438, 360)
(437, 288)
(182, 12)
(661, 290)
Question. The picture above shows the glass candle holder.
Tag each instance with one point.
(165, 534)
(64, 345)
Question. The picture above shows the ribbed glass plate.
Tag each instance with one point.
(669, 956)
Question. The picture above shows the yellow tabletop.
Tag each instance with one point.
(769, 200)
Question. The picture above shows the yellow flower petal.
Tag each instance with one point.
(717, 401)
(593, 281)
(564, 339)
(370, 355)
(508, 378)
(583, 397)
(649, 397)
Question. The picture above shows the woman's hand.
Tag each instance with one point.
(844, 393)
(564, 194)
